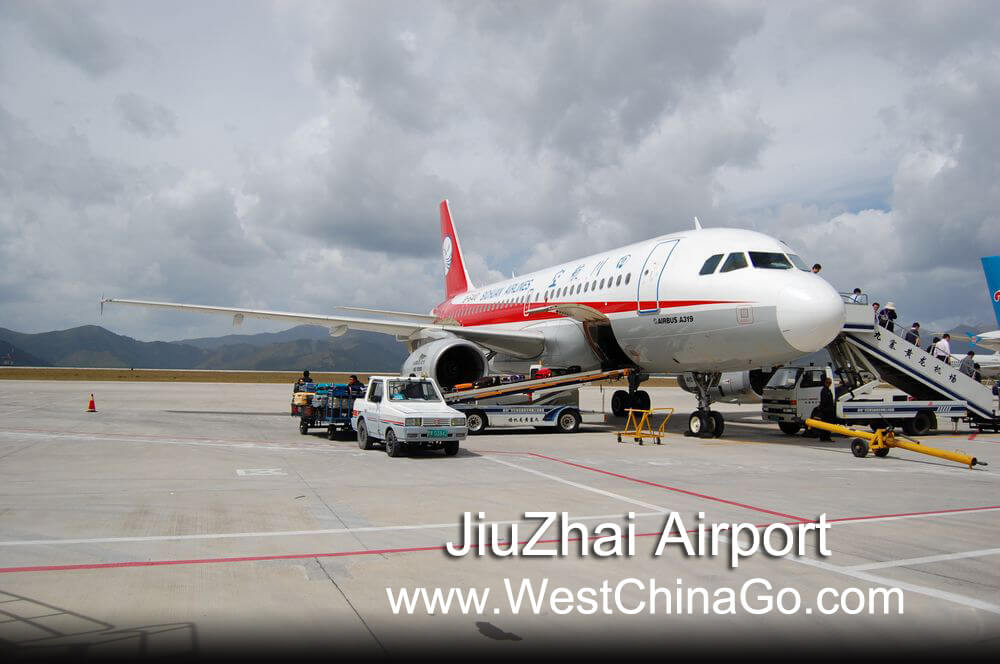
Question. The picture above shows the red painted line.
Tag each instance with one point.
(203, 561)
(413, 549)
(972, 436)
(672, 488)
(931, 513)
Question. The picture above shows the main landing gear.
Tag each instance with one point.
(705, 422)
(621, 400)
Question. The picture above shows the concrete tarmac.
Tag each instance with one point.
(194, 518)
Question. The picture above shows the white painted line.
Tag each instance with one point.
(258, 472)
(903, 517)
(120, 439)
(554, 478)
(288, 533)
(926, 559)
(902, 585)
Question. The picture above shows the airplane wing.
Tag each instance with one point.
(419, 318)
(523, 344)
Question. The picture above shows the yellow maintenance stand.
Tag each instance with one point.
(639, 426)
(883, 439)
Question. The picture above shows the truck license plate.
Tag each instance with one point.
(437, 433)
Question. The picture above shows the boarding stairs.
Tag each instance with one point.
(865, 351)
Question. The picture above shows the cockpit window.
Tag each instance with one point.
(798, 262)
(769, 260)
(735, 261)
(711, 264)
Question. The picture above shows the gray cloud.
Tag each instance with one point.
(74, 32)
(862, 133)
(145, 117)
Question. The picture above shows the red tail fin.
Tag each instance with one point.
(456, 277)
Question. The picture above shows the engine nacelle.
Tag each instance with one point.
(448, 361)
(734, 386)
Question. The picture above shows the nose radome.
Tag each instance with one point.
(810, 314)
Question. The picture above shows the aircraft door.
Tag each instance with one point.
(648, 284)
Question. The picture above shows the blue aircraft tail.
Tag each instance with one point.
(991, 268)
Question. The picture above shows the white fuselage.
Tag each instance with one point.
(664, 314)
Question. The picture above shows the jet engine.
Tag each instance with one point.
(734, 386)
(448, 361)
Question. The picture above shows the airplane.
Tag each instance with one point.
(991, 270)
(695, 303)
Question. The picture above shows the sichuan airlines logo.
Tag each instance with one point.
(996, 296)
(446, 253)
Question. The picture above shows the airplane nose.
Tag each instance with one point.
(810, 314)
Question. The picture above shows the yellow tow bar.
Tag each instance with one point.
(639, 426)
(882, 440)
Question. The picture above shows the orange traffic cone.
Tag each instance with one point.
(91, 407)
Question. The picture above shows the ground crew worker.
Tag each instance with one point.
(354, 385)
(827, 409)
(303, 379)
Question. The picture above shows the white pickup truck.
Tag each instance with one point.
(406, 413)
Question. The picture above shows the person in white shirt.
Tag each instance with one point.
(942, 349)
(856, 297)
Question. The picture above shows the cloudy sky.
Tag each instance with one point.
(291, 155)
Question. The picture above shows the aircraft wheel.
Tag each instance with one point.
(859, 448)
(700, 424)
(640, 400)
(365, 441)
(718, 423)
(619, 402)
(393, 447)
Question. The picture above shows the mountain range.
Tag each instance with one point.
(301, 347)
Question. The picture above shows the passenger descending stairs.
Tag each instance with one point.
(908, 367)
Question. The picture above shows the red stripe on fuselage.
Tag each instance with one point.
(485, 314)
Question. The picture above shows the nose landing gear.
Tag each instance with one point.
(705, 422)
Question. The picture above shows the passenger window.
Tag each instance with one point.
(769, 260)
(627, 277)
(736, 261)
(618, 282)
(711, 264)
(585, 287)
(602, 284)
